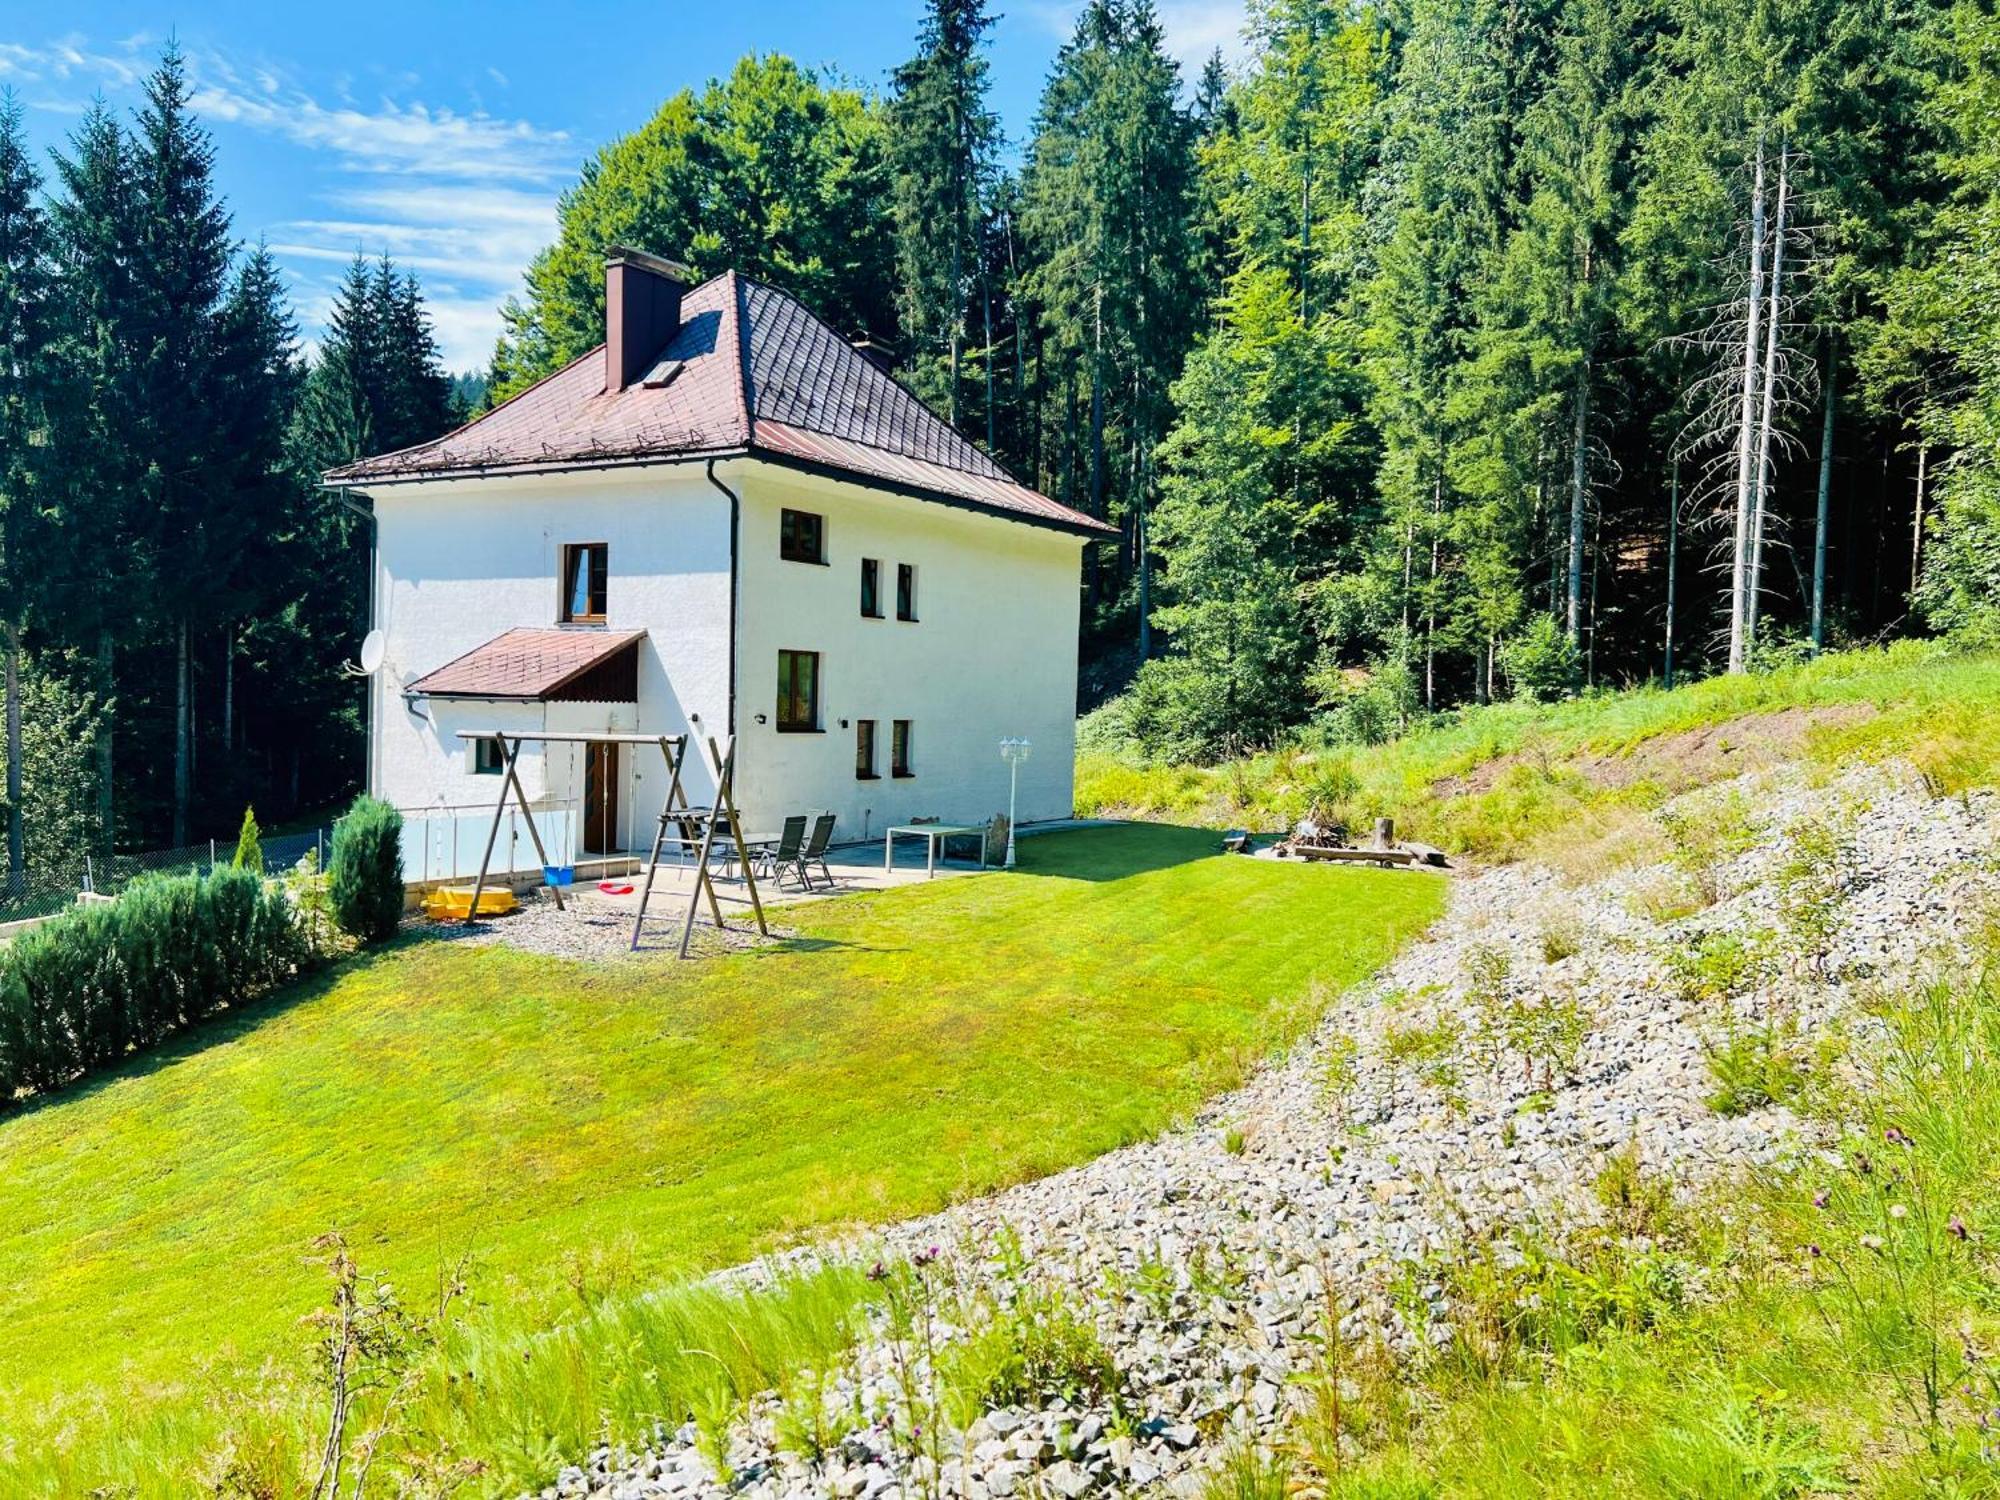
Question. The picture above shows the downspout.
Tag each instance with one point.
(374, 551)
(735, 516)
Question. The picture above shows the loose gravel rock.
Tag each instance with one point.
(595, 930)
(1209, 1258)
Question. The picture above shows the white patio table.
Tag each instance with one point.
(933, 835)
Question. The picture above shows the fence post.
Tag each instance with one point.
(211, 854)
(88, 884)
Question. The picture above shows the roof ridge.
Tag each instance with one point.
(745, 391)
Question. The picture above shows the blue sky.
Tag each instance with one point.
(442, 133)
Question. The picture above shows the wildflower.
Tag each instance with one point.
(1814, 1251)
(878, 1272)
(1872, 1242)
(1898, 1211)
(1896, 1136)
(1862, 1164)
(925, 1257)
(1820, 1198)
(1956, 1228)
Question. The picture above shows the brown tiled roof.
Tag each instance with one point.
(758, 374)
(526, 664)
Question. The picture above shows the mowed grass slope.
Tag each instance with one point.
(437, 1098)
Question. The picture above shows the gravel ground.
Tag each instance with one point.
(596, 931)
(1388, 1137)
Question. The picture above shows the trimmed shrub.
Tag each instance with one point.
(101, 981)
(366, 870)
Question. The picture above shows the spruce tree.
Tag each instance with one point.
(102, 555)
(180, 267)
(257, 383)
(1108, 199)
(25, 376)
(942, 141)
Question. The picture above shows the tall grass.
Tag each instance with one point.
(1832, 1328)
(1498, 780)
(492, 1407)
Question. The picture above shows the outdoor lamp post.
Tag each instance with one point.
(1013, 751)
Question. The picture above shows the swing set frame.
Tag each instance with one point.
(681, 824)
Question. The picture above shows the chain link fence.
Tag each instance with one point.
(50, 886)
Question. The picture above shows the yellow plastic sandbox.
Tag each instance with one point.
(454, 903)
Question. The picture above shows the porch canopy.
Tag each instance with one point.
(544, 666)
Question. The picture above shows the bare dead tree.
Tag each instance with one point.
(1745, 434)
(1749, 390)
(1773, 324)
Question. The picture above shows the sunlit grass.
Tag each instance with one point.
(589, 1131)
(1497, 781)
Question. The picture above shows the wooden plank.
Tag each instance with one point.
(1356, 856)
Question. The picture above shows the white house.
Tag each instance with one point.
(725, 521)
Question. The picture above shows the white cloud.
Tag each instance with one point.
(466, 326)
(71, 59)
(392, 137)
(462, 197)
(1195, 28)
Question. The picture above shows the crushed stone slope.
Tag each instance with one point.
(1209, 1259)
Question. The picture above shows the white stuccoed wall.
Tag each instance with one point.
(461, 562)
(993, 652)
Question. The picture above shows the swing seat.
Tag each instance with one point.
(615, 887)
(454, 903)
(564, 875)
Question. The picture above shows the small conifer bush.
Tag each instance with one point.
(249, 846)
(366, 870)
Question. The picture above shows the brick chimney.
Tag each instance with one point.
(642, 310)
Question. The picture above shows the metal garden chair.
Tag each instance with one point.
(814, 852)
(774, 859)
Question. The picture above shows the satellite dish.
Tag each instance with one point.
(373, 650)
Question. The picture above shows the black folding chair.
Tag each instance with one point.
(814, 852)
(774, 859)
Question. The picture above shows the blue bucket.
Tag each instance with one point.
(559, 874)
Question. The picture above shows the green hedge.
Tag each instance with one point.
(366, 870)
(101, 981)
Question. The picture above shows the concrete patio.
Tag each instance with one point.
(857, 867)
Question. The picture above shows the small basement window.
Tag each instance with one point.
(801, 536)
(864, 751)
(798, 692)
(871, 589)
(584, 570)
(906, 591)
(489, 757)
(899, 749)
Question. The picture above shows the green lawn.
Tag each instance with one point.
(652, 1117)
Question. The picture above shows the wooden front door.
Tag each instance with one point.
(600, 799)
